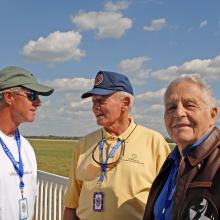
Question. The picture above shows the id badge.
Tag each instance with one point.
(98, 201)
(23, 209)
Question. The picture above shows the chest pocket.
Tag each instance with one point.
(204, 175)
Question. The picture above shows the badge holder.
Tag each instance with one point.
(23, 209)
(98, 201)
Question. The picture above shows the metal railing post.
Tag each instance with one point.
(49, 201)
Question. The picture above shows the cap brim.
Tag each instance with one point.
(97, 91)
(39, 88)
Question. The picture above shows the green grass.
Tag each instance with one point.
(54, 156)
(172, 145)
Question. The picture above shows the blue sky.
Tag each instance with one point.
(66, 42)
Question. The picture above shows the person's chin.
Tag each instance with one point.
(184, 139)
(100, 123)
(30, 119)
(99, 120)
(182, 131)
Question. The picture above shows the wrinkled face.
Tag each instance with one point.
(107, 109)
(187, 115)
(23, 109)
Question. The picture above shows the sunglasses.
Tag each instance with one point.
(31, 95)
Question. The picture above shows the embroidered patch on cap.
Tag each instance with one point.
(99, 79)
(201, 208)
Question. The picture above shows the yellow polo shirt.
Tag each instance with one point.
(126, 185)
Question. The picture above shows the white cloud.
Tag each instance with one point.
(71, 84)
(157, 107)
(207, 68)
(57, 47)
(133, 64)
(148, 109)
(156, 25)
(106, 24)
(203, 24)
(120, 5)
(150, 96)
(82, 105)
(152, 99)
(74, 107)
(134, 68)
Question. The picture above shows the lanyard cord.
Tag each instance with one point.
(17, 166)
(117, 145)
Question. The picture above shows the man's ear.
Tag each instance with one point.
(8, 97)
(126, 103)
(214, 114)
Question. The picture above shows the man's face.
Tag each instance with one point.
(22, 108)
(107, 109)
(187, 115)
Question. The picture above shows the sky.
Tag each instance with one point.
(66, 42)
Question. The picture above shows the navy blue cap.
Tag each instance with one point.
(107, 83)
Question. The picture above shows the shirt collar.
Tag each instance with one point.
(187, 151)
(123, 136)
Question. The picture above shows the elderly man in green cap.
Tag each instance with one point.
(19, 100)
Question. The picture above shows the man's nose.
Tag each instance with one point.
(37, 102)
(180, 111)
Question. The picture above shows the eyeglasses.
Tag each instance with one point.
(31, 95)
(112, 164)
(122, 151)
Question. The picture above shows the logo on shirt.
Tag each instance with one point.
(133, 158)
(202, 209)
(27, 172)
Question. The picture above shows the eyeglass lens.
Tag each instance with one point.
(32, 96)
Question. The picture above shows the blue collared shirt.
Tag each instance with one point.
(163, 204)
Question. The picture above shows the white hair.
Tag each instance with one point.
(123, 94)
(203, 85)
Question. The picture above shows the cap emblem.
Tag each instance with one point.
(99, 79)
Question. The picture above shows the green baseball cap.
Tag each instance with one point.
(13, 76)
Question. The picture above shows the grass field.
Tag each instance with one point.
(54, 156)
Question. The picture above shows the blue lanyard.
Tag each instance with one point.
(18, 166)
(171, 181)
(104, 162)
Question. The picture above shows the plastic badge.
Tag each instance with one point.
(98, 201)
(23, 209)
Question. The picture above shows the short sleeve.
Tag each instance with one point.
(72, 193)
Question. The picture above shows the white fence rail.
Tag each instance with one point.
(49, 203)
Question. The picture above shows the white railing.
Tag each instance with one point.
(49, 202)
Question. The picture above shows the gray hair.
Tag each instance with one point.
(126, 94)
(207, 92)
(17, 88)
